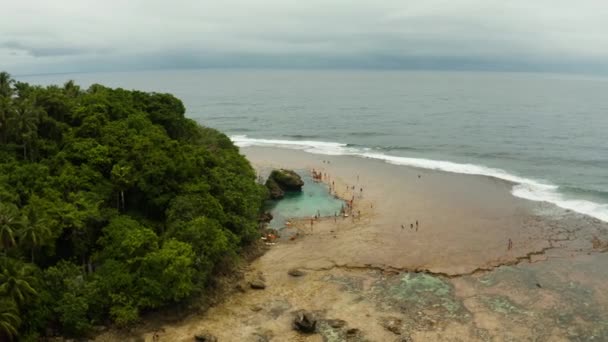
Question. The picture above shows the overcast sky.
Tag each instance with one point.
(81, 35)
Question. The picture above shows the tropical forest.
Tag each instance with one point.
(112, 204)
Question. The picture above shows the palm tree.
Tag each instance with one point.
(9, 321)
(9, 224)
(71, 89)
(121, 176)
(15, 281)
(5, 114)
(24, 123)
(6, 82)
(34, 233)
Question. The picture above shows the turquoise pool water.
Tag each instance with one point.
(314, 198)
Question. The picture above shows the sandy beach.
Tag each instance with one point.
(454, 276)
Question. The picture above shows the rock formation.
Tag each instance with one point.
(283, 180)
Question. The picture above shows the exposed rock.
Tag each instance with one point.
(265, 217)
(294, 272)
(257, 284)
(274, 190)
(392, 324)
(305, 322)
(404, 339)
(204, 336)
(287, 180)
(336, 323)
(353, 332)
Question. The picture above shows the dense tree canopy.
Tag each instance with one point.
(111, 203)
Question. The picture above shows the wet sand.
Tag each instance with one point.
(452, 280)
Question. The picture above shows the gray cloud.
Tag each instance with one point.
(41, 51)
(544, 35)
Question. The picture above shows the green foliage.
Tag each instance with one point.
(119, 202)
(9, 320)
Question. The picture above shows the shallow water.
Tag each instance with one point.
(314, 199)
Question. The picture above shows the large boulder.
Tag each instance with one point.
(274, 189)
(287, 180)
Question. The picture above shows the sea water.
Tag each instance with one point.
(314, 199)
(546, 133)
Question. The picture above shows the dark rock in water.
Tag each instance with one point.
(257, 284)
(294, 272)
(287, 180)
(274, 189)
(204, 336)
(305, 322)
(336, 323)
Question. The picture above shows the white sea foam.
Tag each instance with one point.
(526, 188)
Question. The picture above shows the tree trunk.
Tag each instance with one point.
(32, 255)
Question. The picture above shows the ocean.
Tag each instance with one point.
(546, 133)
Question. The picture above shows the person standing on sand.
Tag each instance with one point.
(416, 224)
(402, 227)
(510, 245)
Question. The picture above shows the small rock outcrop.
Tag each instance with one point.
(353, 333)
(294, 272)
(305, 322)
(258, 283)
(392, 324)
(336, 323)
(204, 336)
(283, 180)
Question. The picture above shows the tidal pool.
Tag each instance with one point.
(313, 199)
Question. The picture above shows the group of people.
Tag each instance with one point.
(411, 226)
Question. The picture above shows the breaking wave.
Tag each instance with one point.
(526, 188)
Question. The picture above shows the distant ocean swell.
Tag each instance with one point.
(524, 187)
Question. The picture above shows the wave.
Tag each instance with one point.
(300, 136)
(367, 134)
(526, 188)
